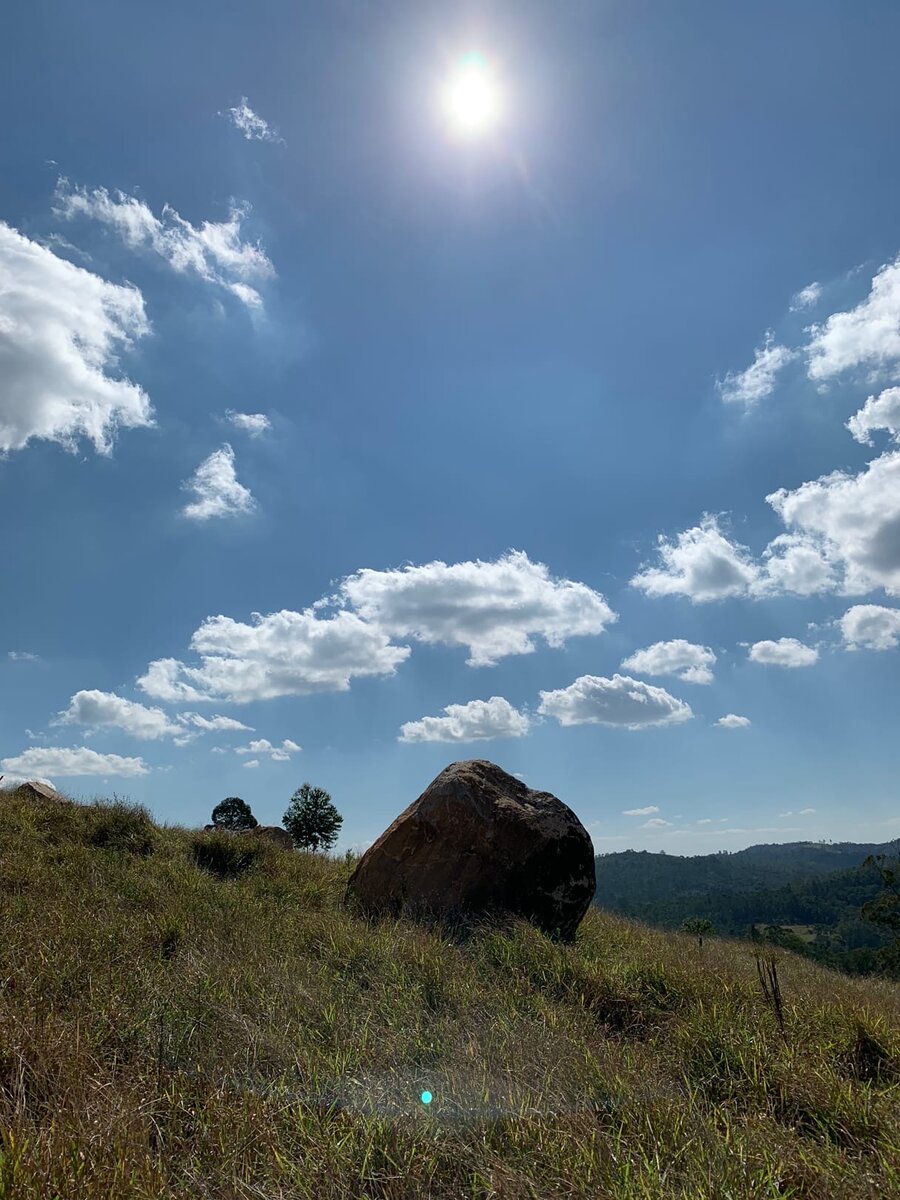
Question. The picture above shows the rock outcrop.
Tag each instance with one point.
(476, 842)
(271, 833)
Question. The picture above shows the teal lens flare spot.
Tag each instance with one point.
(426, 1097)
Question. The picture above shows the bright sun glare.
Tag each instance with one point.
(472, 98)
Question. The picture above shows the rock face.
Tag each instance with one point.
(478, 841)
(271, 833)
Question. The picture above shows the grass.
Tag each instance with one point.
(169, 1029)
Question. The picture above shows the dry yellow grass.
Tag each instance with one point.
(167, 1032)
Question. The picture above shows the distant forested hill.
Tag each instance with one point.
(807, 895)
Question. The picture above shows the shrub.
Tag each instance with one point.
(225, 854)
(120, 826)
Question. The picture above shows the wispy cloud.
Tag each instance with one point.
(216, 489)
(254, 127)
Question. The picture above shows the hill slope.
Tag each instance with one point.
(184, 1015)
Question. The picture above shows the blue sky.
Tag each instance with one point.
(555, 442)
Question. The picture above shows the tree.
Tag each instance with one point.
(311, 819)
(884, 910)
(699, 927)
(233, 813)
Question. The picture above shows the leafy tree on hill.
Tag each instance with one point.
(311, 819)
(233, 813)
(699, 927)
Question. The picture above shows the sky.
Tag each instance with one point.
(394, 383)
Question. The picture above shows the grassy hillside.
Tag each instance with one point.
(228, 1030)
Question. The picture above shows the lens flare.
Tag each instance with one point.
(426, 1097)
(472, 98)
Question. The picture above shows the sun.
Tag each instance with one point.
(472, 99)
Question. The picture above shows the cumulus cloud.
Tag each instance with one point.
(758, 380)
(74, 760)
(684, 660)
(106, 710)
(700, 563)
(479, 720)
(252, 762)
(878, 412)
(217, 724)
(705, 565)
(280, 753)
(282, 654)
(857, 516)
(61, 330)
(656, 823)
(871, 627)
(640, 812)
(214, 251)
(22, 656)
(216, 489)
(865, 336)
(622, 701)
(495, 609)
(732, 721)
(254, 127)
(786, 652)
(255, 424)
(807, 297)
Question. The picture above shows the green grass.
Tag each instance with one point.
(169, 1029)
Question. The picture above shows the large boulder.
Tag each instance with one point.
(271, 833)
(478, 841)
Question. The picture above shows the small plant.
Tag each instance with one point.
(699, 927)
(224, 855)
(233, 813)
(311, 819)
(767, 971)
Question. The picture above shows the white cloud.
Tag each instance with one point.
(799, 563)
(254, 127)
(479, 720)
(495, 609)
(866, 336)
(106, 710)
(22, 656)
(878, 412)
(217, 750)
(685, 660)
(75, 760)
(640, 812)
(161, 681)
(857, 516)
(805, 812)
(700, 563)
(61, 329)
(215, 724)
(758, 380)
(255, 424)
(656, 823)
(214, 251)
(252, 762)
(705, 821)
(807, 297)
(282, 654)
(786, 652)
(592, 700)
(280, 753)
(216, 488)
(733, 721)
(871, 627)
